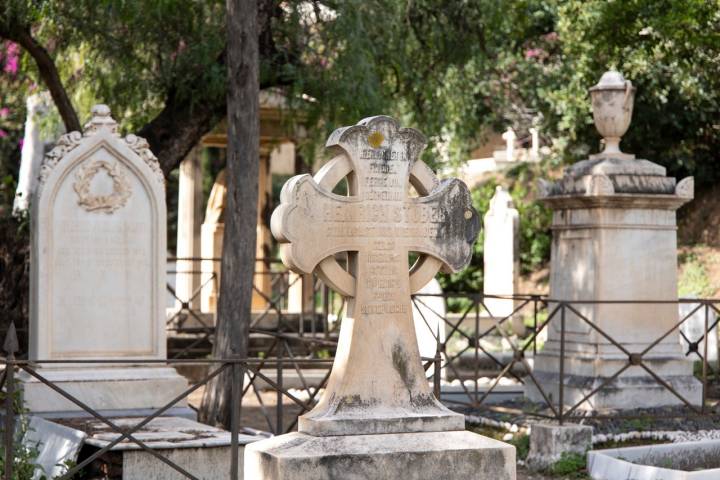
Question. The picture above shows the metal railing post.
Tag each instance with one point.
(437, 366)
(535, 314)
(10, 346)
(235, 420)
(561, 387)
(706, 336)
(279, 397)
(326, 310)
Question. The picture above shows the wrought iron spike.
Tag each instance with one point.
(11, 344)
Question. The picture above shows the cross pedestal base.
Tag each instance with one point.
(412, 456)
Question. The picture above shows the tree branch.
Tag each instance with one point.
(48, 73)
(179, 127)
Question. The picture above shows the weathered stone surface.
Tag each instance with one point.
(412, 456)
(377, 384)
(98, 269)
(204, 463)
(549, 441)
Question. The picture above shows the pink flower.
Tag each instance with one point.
(551, 37)
(3, 133)
(4, 112)
(12, 58)
(21, 143)
(534, 53)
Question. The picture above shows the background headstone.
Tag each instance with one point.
(501, 256)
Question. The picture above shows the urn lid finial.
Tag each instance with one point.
(611, 80)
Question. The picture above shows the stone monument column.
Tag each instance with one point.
(615, 238)
(212, 231)
(377, 418)
(262, 280)
(188, 230)
(501, 257)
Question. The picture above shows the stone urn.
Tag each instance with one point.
(612, 105)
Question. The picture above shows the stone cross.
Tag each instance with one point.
(377, 384)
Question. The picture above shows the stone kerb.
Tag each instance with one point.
(90, 182)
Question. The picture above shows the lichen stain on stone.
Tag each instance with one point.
(400, 363)
(423, 401)
(354, 402)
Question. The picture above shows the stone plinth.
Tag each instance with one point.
(615, 238)
(455, 455)
(109, 390)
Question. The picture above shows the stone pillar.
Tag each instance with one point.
(615, 238)
(535, 144)
(501, 256)
(188, 230)
(263, 280)
(212, 242)
(301, 293)
(509, 136)
(33, 151)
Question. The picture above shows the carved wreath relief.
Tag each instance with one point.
(102, 203)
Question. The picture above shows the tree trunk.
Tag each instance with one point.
(238, 259)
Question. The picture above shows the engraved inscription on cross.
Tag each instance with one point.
(377, 384)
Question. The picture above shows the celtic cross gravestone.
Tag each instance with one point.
(377, 401)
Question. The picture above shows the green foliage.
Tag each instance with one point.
(521, 442)
(693, 280)
(571, 464)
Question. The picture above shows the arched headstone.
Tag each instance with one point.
(98, 271)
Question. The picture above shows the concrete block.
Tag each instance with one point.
(549, 441)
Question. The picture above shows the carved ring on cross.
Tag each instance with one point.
(422, 178)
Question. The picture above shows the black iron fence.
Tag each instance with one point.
(476, 352)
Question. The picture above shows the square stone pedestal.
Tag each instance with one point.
(548, 442)
(614, 261)
(451, 455)
(109, 390)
